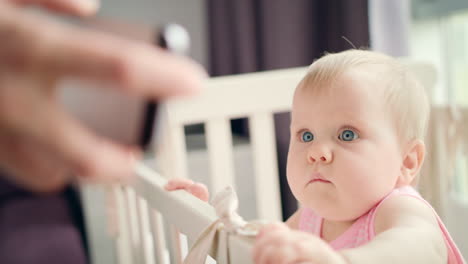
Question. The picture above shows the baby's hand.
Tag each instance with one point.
(278, 244)
(198, 190)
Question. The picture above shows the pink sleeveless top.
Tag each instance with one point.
(362, 231)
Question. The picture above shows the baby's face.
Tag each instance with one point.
(344, 153)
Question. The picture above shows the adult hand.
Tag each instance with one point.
(40, 144)
(278, 244)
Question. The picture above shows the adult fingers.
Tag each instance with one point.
(30, 166)
(25, 111)
(73, 7)
(86, 154)
(90, 156)
(67, 51)
(135, 67)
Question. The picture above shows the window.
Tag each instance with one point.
(439, 34)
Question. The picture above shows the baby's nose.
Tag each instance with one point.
(320, 154)
(322, 158)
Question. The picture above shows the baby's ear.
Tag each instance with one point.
(412, 162)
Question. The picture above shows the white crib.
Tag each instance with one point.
(149, 218)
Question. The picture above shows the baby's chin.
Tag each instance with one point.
(338, 213)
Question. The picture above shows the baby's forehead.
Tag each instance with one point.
(353, 95)
(352, 82)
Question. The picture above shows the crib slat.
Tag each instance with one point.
(240, 249)
(265, 166)
(161, 253)
(219, 145)
(171, 151)
(222, 256)
(101, 242)
(124, 240)
(176, 245)
(146, 243)
(132, 215)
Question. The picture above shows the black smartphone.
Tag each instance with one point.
(124, 119)
(175, 39)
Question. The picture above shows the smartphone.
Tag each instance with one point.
(121, 118)
(175, 39)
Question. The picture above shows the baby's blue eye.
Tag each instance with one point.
(348, 135)
(307, 136)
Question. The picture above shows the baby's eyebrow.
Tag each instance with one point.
(342, 121)
(354, 120)
(359, 125)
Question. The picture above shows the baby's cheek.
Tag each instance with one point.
(360, 187)
(354, 173)
(296, 178)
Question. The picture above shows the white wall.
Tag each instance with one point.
(189, 13)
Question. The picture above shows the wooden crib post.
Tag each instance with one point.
(161, 252)
(123, 243)
(176, 244)
(219, 140)
(146, 243)
(222, 254)
(131, 205)
(171, 151)
(265, 166)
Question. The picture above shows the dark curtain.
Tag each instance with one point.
(40, 229)
(257, 35)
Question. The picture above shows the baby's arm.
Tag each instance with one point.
(406, 232)
(198, 190)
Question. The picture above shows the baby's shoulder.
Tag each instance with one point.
(404, 211)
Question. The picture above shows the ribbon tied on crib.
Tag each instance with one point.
(225, 203)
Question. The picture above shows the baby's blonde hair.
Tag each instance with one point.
(404, 95)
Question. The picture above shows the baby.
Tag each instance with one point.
(358, 121)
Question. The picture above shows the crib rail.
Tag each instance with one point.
(141, 240)
(189, 214)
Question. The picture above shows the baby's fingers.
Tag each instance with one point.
(178, 184)
(196, 189)
(270, 240)
(200, 191)
(271, 228)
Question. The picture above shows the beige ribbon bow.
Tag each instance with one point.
(225, 203)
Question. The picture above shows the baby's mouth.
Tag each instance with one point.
(318, 177)
(319, 180)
